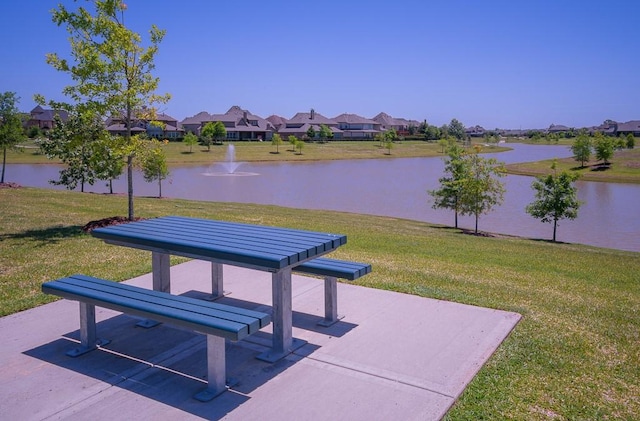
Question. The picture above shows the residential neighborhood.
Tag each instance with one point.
(242, 125)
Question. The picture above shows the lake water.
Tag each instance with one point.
(394, 187)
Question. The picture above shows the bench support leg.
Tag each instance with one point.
(217, 281)
(216, 368)
(88, 337)
(330, 302)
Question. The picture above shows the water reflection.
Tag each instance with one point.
(396, 188)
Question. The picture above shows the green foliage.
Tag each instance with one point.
(311, 133)
(111, 69)
(153, 163)
(603, 146)
(481, 189)
(325, 133)
(556, 198)
(276, 140)
(76, 142)
(456, 129)
(213, 131)
(581, 149)
(631, 141)
(300, 146)
(108, 158)
(11, 132)
(293, 141)
(190, 140)
(451, 184)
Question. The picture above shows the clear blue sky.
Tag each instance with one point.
(507, 64)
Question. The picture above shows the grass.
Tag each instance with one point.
(179, 154)
(574, 355)
(624, 168)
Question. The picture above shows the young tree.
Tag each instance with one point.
(325, 133)
(457, 130)
(311, 133)
(581, 149)
(603, 146)
(112, 70)
(276, 140)
(213, 131)
(206, 135)
(11, 132)
(293, 141)
(108, 160)
(481, 188)
(448, 196)
(300, 146)
(75, 142)
(190, 140)
(153, 162)
(631, 141)
(556, 198)
(219, 132)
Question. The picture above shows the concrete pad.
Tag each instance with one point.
(393, 356)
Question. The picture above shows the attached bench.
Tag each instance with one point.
(217, 321)
(332, 269)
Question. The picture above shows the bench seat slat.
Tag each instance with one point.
(336, 268)
(214, 309)
(186, 312)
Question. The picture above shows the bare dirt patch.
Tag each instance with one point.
(105, 222)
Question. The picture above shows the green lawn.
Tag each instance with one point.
(624, 167)
(180, 155)
(574, 355)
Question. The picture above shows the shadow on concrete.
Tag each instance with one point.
(164, 363)
(300, 320)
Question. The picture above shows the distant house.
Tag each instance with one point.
(44, 119)
(557, 128)
(355, 127)
(162, 126)
(475, 131)
(400, 125)
(277, 122)
(632, 127)
(240, 124)
(299, 124)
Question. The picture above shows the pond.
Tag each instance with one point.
(395, 187)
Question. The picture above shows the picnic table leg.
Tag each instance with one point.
(161, 267)
(283, 341)
(161, 273)
(217, 281)
(330, 302)
(88, 338)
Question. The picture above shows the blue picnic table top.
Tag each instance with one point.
(270, 248)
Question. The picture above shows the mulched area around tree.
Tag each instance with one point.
(105, 222)
(9, 186)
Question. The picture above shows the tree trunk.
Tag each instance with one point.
(130, 185)
(555, 224)
(4, 162)
(476, 223)
(129, 165)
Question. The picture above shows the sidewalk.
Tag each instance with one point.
(393, 356)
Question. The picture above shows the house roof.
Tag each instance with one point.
(353, 119)
(386, 120)
(307, 118)
(40, 114)
(629, 126)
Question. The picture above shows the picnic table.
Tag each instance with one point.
(272, 249)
